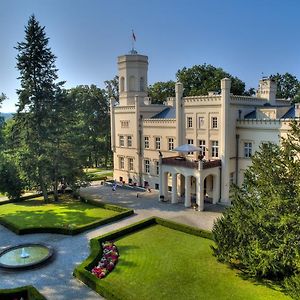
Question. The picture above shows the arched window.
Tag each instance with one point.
(142, 85)
(122, 84)
(132, 83)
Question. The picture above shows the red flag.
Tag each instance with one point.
(133, 36)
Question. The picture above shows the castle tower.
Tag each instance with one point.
(133, 69)
(267, 89)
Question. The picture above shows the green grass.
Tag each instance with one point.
(68, 213)
(95, 170)
(162, 263)
(94, 174)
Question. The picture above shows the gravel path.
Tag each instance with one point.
(55, 279)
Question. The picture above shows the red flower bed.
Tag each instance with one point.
(108, 261)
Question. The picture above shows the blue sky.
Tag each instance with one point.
(243, 37)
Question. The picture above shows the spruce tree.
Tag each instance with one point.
(260, 232)
(45, 148)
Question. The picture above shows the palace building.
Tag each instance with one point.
(226, 128)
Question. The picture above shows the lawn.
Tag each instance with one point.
(68, 213)
(162, 263)
(98, 173)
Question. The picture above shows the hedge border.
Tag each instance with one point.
(82, 271)
(123, 213)
(30, 291)
(23, 198)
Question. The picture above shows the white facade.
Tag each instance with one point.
(228, 128)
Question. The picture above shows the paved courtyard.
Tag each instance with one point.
(55, 280)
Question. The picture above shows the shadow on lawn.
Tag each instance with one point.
(271, 284)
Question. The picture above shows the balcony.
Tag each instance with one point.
(180, 161)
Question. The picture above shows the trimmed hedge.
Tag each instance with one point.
(27, 292)
(123, 213)
(83, 271)
(23, 198)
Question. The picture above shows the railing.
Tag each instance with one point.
(183, 162)
(212, 164)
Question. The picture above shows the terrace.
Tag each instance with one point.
(181, 161)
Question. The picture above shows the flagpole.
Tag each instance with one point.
(132, 39)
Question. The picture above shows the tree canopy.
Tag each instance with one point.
(201, 79)
(288, 86)
(260, 232)
(160, 91)
(91, 106)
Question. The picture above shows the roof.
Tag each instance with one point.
(167, 113)
(251, 115)
(290, 114)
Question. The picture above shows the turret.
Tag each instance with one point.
(267, 89)
(133, 69)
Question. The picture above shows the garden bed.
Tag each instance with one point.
(160, 259)
(68, 216)
(25, 293)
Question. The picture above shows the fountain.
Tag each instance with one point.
(25, 256)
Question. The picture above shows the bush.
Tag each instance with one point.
(292, 286)
(27, 292)
(10, 182)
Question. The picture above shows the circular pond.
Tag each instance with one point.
(25, 256)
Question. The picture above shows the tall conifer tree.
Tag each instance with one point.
(36, 121)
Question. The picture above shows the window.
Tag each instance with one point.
(201, 122)
(122, 84)
(214, 122)
(189, 122)
(121, 140)
(247, 149)
(124, 124)
(215, 148)
(121, 163)
(130, 164)
(170, 143)
(231, 178)
(156, 186)
(147, 166)
(157, 167)
(142, 84)
(129, 141)
(202, 147)
(190, 142)
(146, 142)
(131, 83)
(157, 143)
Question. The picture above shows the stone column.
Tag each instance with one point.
(112, 125)
(225, 137)
(179, 118)
(199, 193)
(174, 188)
(187, 202)
(161, 190)
(216, 192)
(165, 185)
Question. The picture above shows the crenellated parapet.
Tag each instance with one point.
(159, 123)
(207, 100)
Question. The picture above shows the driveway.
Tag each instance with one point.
(55, 279)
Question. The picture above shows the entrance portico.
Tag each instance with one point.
(201, 179)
